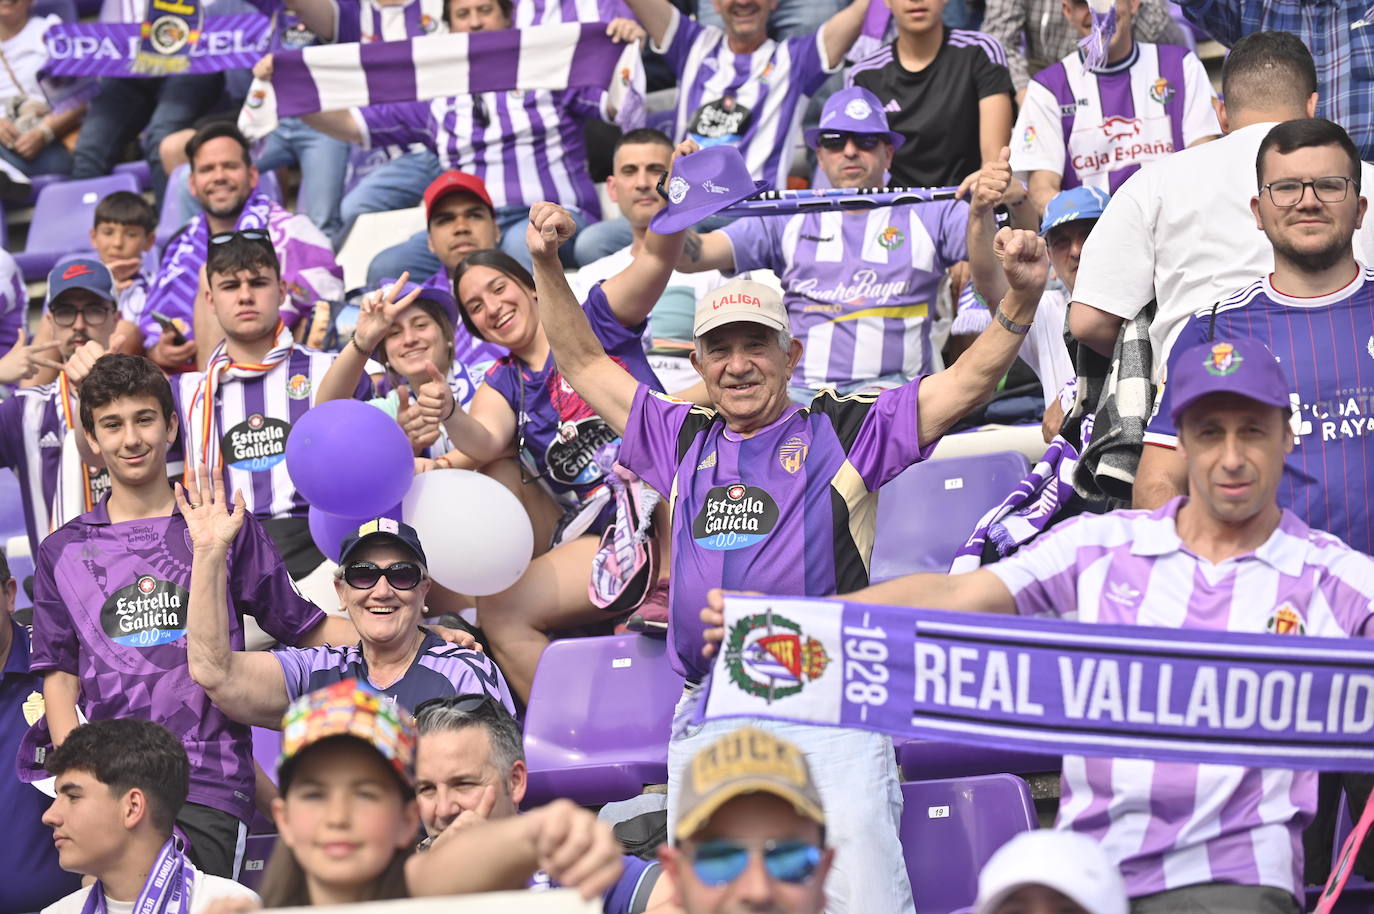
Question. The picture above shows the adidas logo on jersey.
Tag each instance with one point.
(50, 439)
(892, 106)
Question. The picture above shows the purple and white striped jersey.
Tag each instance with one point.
(32, 432)
(526, 146)
(551, 12)
(439, 670)
(753, 101)
(1169, 825)
(1097, 127)
(363, 21)
(14, 301)
(1325, 346)
(253, 417)
(859, 286)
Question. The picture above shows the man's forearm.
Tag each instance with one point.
(988, 279)
(1093, 328)
(208, 653)
(575, 347)
(490, 857)
(338, 124)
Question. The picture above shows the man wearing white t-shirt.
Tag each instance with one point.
(1180, 231)
(119, 784)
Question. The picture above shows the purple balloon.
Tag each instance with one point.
(349, 458)
(328, 530)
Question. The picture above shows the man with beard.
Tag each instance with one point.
(223, 180)
(1316, 312)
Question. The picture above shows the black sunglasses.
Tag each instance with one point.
(835, 142)
(400, 575)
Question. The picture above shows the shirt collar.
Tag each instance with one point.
(1121, 65)
(99, 516)
(1157, 535)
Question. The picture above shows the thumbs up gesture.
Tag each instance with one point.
(434, 398)
(992, 185)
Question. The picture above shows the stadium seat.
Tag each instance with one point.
(951, 827)
(909, 537)
(60, 207)
(139, 169)
(256, 852)
(598, 720)
(923, 759)
(37, 183)
(11, 508)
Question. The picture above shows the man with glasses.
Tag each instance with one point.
(751, 833)
(859, 285)
(470, 779)
(39, 425)
(381, 582)
(110, 609)
(1316, 312)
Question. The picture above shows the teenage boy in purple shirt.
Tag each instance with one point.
(110, 599)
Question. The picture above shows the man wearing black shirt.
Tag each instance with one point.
(948, 91)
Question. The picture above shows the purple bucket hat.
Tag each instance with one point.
(703, 184)
(853, 110)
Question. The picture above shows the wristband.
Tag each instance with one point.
(354, 341)
(452, 408)
(1009, 324)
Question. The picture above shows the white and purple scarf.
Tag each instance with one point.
(166, 891)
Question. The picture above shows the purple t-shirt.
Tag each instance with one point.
(562, 434)
(859, 287)
(788, 510)
(110, 608)
(439, 670)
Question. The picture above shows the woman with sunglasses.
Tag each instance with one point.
(381, 581)
(562, 447)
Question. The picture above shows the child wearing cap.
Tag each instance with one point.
(346, 818)
(1050, 872)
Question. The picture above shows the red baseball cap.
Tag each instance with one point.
(451, 182)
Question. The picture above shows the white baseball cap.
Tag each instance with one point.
(740, 300)
(1070, 863)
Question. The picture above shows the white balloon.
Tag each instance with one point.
(474, 530)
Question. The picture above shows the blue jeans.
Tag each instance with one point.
(789, 17)
(398, 184)
(323, 161)
(414, 254)
(124, 106)
(856, 774)
(52, 159)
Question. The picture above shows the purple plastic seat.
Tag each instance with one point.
(62, 219)
(139, 169)
(11, 508)
(951, 827)
(257, 851)
(929, 511)
(923, 759)
(598, 719)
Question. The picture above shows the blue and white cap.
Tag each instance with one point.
(1072, 205)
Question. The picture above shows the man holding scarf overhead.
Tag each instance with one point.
(775, 496)
(1217, 839)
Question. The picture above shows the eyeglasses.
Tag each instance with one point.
(400, 575)
(1289, 192)
(835, 142)
(719, 862)
(94, 315)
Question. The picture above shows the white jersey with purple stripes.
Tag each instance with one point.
(366, 20)
(527, 146)
(551, 12)
(253, 418)
(1096, 127)
(859, 286)
(1167, 824)
(752, 101)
